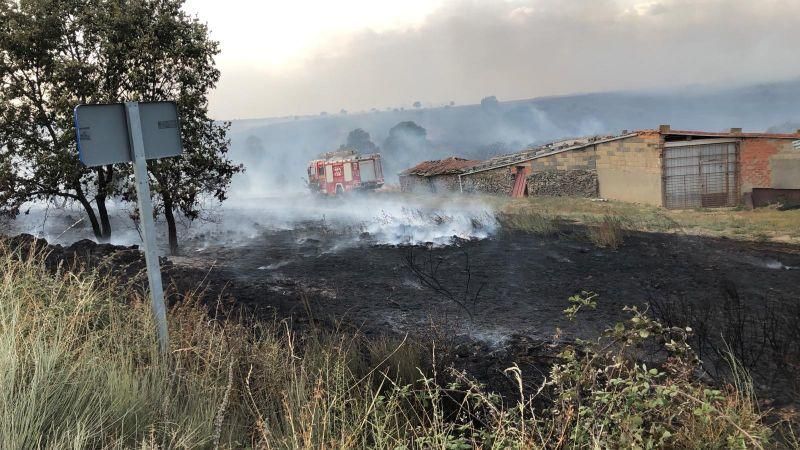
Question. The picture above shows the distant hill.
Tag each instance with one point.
(275, 151)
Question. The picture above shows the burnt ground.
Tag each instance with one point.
(513, 288)
(518, 288)
(524, 280)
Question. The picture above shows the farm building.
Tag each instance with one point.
(664, 167)
(435, 176)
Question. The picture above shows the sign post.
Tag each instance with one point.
(147, 224)
(134, 132)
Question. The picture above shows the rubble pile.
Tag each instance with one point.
(563, 183)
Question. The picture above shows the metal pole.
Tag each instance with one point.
(147, 224)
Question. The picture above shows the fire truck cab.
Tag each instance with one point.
(344, 170)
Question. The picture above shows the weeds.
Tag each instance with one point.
(607, 232)
(530, 222)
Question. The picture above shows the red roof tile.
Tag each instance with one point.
(447, 166)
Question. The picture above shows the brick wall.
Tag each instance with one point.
(754, 161)
(584, 159)
(630, 169)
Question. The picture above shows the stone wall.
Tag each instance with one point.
(444, 183)
(427, 185)
(496, 181)
(415, 184)
(564, 183)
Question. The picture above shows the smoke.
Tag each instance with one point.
(379, 219)
(515, 49)
(276, 151)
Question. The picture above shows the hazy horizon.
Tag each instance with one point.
(311, 56)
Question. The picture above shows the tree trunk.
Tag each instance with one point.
(98, 233)
(104, 178)
(171, 228)
(105, 223)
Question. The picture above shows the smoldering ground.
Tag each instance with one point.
(375, 219)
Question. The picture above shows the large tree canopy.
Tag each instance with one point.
(55, 54)
(361, 141)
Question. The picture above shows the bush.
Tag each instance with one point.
(604, 397)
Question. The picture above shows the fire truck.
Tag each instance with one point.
(344, 170)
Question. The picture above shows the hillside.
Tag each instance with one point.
(275, 151)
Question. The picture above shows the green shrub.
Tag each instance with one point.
(606, 398)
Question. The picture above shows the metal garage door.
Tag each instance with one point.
(701, 175)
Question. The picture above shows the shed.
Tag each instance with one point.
(439, 175)
(664, 167)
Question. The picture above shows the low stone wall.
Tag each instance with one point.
(432, 184)
(564, 183)
(444, 183)
(496, 181)
(415, 184)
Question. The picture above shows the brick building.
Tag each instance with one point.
(664, 167)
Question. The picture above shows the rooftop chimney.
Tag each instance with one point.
(663, 129)
(736, 130)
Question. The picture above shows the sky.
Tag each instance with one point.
(301, 57)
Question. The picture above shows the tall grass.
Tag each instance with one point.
(79, 368)
(529, 221)
(607, 232)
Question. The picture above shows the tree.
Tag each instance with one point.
(406, 144)
(55, 54)
(361, 141)
(489, 102)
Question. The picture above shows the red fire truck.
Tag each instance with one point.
(344, 170)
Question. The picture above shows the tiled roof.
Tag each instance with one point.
(447, 166)
(543, 150)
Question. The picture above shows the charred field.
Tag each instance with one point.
(490, 294)
(499, 298)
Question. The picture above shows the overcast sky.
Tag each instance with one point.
(283, 57)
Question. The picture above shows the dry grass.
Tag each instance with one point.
(530, 221)
(607, 232)
(79, 368)
(762, 224)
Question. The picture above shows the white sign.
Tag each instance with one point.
(796, 144)
(134, 132)
(102, 132)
